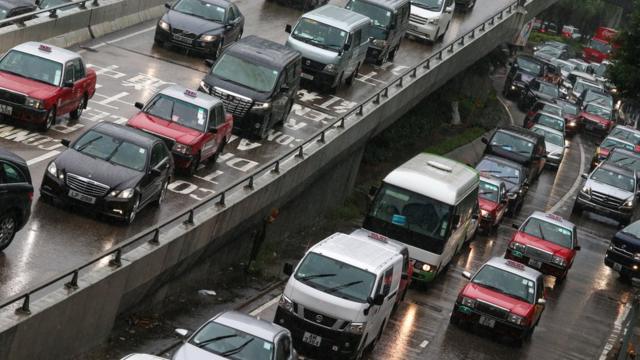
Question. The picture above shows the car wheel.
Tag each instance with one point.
(374, 343)
(75, 114)
(350, 79)
(163, 193)
(285, 115)
(49, 120)
(360, 354)
(454, 320)
(8, 227)
(45, 198)
(577, 209)
(392, 54)
(214, 158)
(131, 216)
(264, 129)
(239, 35)
(193, 167)
(334, 89)
(436, 38)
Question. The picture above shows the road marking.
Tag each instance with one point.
(42, 157)
(617, 329)
(575, 185)
(506, 108)
(424, 344)
(118, 39)
(265, 306)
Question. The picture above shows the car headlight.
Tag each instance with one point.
(558, 261)
(517, 246)
(181, 148)
(636, 256)
(433, 21)
(356, 328)
(572, 123)
(204, 86)
(512, 196)
(380, 43)
(586, 191)
(554, 155)
(629, 203)
(468, 302)
(516, 319)
(34, 103)
(513, 87)
(424, 266)
(485, 213)
(261, 105)
(164, 25)
(330, 68)
(285, 303)
(208, 38)
(52, 169)
(122, 194)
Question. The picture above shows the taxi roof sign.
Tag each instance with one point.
(378, 237)
(45, 48)
(190, 93)
(554, 217)
(515, 264)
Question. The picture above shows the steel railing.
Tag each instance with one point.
(152, 234)
(53, 12)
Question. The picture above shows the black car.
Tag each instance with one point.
(537, 90)
(203, 26)
(110, 169)
(520, 145)
(524, 69)
(257, 80)
(11, 8)
(514, 176)
(16, 193)
(621, 255)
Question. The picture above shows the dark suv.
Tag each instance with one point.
(520, 145)
(16, 193)
(524, 69)
(257, 80)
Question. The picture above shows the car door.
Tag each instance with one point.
(284, 92)
(539, 308)
(152, 181)
(66, 100)
(213, 136)
(447, 14)
(232, 27)
(80, 82)
(15, 190)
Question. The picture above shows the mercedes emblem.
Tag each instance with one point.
(319, 318)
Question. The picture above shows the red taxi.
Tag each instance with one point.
(596, 118)
(545, 242)
(39, 83)
(605, 147)
(493, 200)
(504, 296)
(194, 125)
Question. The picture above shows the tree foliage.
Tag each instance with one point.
(587, 15)
(625, 71)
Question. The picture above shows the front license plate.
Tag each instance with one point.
(535, 263)
(617, 267)
(82, 197)
(487, 321)
(312, 339)
(306, 76)
(6, 109)
(182, 39)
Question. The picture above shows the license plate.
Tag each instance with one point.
(82, 197)
(183, 39)
(312, 339)
(306, 76)
(6, 109)
(617, 267)
(487, 321)
(535, 263)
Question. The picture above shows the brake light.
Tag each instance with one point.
(637, 149)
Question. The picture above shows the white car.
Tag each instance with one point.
(430, 19)
(554, 143)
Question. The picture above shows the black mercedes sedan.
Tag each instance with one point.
(110, 169)
(202, 26)
(16, 193)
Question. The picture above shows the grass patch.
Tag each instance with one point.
(449, 144)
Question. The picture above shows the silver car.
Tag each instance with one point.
(554, 142)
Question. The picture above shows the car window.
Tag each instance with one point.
(496, 169)
(357, 38)
(291, 73)
(112, 149)
(201, 9)
(549, 231)
(11, 174)
(615, 179)
(505, 282)
(68, 72)
(157, 155)
(178, 111)
(488, 191)
(217, 117)
(512, 143)
(231, 343)
(32, 67)
(78, 69)
(232, 13)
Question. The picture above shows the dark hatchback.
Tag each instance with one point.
(514, 176)
(621, 255)
(520, 145)
(110, 169)
(203, 26)
(11, 8)
(16, 194)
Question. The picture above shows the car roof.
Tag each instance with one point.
(519, 131)
(338, 17)
(126, 133)
(388, 4)
(263, 329)
(548, 129)
(10, 156)
(263, 51)
(367, 254)
(57, 54)
(503, 161)
(514, 267)
(436, 177)
(550, 115)
(624, 151)
(553, 219)
(617, 168)
(371, 235)
(191, 96)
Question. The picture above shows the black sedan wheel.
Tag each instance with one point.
(8, 226)
(219, 50)
(131, 216)
(163, 193)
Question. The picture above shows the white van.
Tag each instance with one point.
(430, 203)
(340, 296)
(430, 19)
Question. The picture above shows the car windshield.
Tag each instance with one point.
(549, 231)
(231, 343)
(633, 229)
(178, 111)
(499, 170)
(582, 86)
(627, 161)
(506, 282)
(398, 210)
(610, 143)
(550, 121)
(32, 67)
(335, 277)
(546, 88)
(551, 51)
(245, 73)
(617, 180)
(319, 34)
(626, 134)
(202, 9)
(380, 16)
(550, 137)
(552, 109)
(512, 143)
(563, 65)
(529, 66)
(595, 109)
(488, 191)
(598, 98)
(569, 108)
(433, 5)
(600, 46)
(580, 66)
(111, 149)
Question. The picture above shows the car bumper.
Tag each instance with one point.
(622, 264)
(319, 77)
(423, 276)
(205, 47)
(22, 113)
(620, 214)
(472, 316)
(553, 162)
(485, 224)
(334, 344)
(182, 161)
(545, 268)
(423, 31)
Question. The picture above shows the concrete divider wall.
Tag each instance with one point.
(67, 322)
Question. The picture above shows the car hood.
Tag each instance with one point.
(191, 352)
(164, 128)
(192, 24)
(114, 176)
(553, 148)
(608, 189)
(487, 205)
(312, 52)
(516, 306)
(594, 117)
(32, 88)
(424, 13)
(541, 244)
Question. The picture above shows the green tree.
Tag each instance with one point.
(625, 71)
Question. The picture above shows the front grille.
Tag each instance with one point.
(12, 97)
(184, 33)
(417, 19)
(606, 200)
(312, 64)
(319, 318)
(86, 186)
(238, 106)
(490, 309)
(538, 254)
(623, 248)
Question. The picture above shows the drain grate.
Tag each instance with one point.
(428, 306)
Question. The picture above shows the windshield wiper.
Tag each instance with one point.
(85, 145)
(315, 276)
(340, 287)
(236, 350)
(209, 341)
(486, 192)
(541, 232)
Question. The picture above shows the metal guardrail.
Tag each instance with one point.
(53, 12)
(152, 234)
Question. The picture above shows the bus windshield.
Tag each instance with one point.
(409, 217)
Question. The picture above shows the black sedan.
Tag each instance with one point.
(514, 176)
(111, 169)
(16, 193)
(203, 26)
(538, 90)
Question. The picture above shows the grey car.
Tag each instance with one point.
(238, 336)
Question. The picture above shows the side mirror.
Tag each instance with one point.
(346, 47)
(485, 141)
(209, 62)
(155, 171)
(466, 275)
(138, 105)
(515, 226)
(585, 176)
(378, 300)
(287, 28)
(542, 301)
(284, 88)
(371, 38)
(577, 248)
(287, 269)
(167, 5)
(183, 333)
(65, 142)
(449, 10)
(67, 84)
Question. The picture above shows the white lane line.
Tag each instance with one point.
(119, 39)
(575, 185)
(424, 344)
(617, 329)
(265, 306)
(506, 108)
(42, 157)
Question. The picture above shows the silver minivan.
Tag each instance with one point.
(389, 23)
(333, 42)
(430, 19)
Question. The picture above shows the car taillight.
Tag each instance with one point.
(637, 148)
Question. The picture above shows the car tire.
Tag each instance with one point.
(392, 53)
(45, 198)
(193, 167)
(369, 349)
(334, 89)
(75, 114)
(285, 115)
(361, 351)
(131, 216)
(163, 193)
(8, 228)
(219, 50)
(349, 80)
(49, 120)
(454, 320)
(264, 129)
(214, 158)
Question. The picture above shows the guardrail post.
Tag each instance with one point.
(83, 5)
(300, 152)
(73, 284)
(473, 34)
(276, 169)
(117, 259)
(427, 65)
(222, 202)
(341, 125)
(461, 43)
(492, 21)
(439, 55)
(24, 309)
(361, 107)
(450, 48)
(190, 220)
(321, 140)
(482, 28)
(500, 16)
(95, 3)
(399, 83)
(249, 186)
(53, 14)
(414, 73)
(376, 101)
(155, 240)
(385, 93)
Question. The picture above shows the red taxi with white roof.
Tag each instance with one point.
(596, 118)
(194, 125)
(493, 201)
(40, 82)
(545, 242)
(504, 296)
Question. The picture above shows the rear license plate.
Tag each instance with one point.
(306, 76)
(312, 339)
(535, 263)
(6, 109)
(487, 321)
(617, 267)
(182, 39)
(82, 197)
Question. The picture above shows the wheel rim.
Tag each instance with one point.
(50, 118)
(7, 228)
(81, 107)
(163, 192)
(134, 210)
